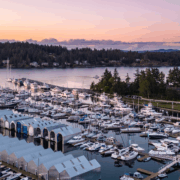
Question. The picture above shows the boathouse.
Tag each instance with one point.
(46, 163)
(36, 127)
(25, 159)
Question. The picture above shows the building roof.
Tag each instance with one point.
(50, 163)
(37, 154)
(18, 147)
(48, 157)
(5, 112)
(22, 152)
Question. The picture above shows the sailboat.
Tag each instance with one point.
(8, 71)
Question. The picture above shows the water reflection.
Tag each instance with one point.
(37, 141)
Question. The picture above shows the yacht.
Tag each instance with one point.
(45, 87)
(149, 118)
(34, 86)
(119, 153)
(96, 77)
(9, 80)
(177, 124)
(158, 120)
(14, 176)
(26, 84)
(86, 144)
(157, 135)
(56, 90)
(103, 97)
(138, 175)
(75, 139)
(6, 174)
(168, 129)
(109, 152)
(83, 95)
(58, 115)
(135, 147)
(130, 155)
(105, 147)
(96, 146)
(169, 141)
(15, 81)
(161, 152)
(131, 130)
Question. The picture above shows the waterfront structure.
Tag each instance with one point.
(28, 125)
(45, 163)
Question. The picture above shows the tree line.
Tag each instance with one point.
(21, 54)
(148, 83)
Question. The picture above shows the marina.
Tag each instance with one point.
(78, 121)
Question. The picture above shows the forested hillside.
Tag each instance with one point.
(22, 54)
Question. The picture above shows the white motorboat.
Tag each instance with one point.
(177, 124)
(26, 83)
(96, 77)
(45, 87)
(58, 115)
(34, 86)
(103, 97)
(147, 159)
(75, 139)
(169, 141)
(105, 147)
(56, 90)
(161, 152)
(136, 147)
(162, 175)
(25, 178)
(119, 153)
(125, 177)
(130, 155)
(6, 174)
(138, 175)
(168, 129)
(14, 176)
(6, 170)
(178, 138)
(86, 144)
(96, 146)
(157, 135)
(109, 152)
(158, 120)
(175, 131)
(131, 130)
(150, 118)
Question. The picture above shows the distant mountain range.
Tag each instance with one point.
(107, 44)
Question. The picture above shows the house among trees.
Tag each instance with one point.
(76, 62)
(34, 64)
(55, 64)
(45, 64)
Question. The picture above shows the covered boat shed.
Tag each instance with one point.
(44, 167)
(24, 160)
(5, 153)
(33, 165)
(18, 154)
(74, 169)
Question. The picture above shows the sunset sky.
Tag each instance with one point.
(129, 21)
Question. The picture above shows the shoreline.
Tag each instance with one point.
(88, 67)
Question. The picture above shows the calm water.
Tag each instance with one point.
(73, 78)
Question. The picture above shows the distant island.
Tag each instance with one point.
(29, 55)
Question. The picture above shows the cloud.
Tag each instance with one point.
(106, 44)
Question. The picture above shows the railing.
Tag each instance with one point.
(169, 164)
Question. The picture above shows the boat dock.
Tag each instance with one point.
(24, 173)
(163, 169)
(63, 88)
